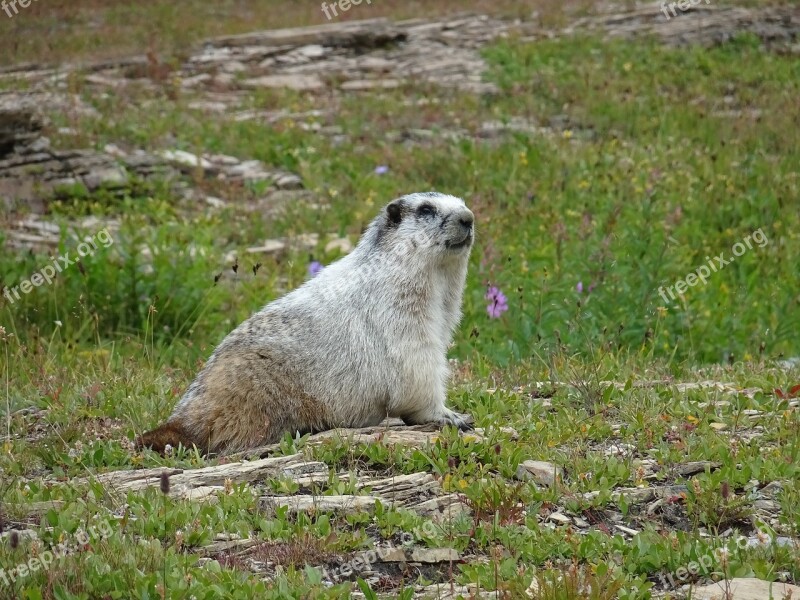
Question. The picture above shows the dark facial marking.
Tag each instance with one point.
(395, 212)
(426, 211)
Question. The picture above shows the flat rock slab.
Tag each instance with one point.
(391, 432)
(419, 492)
(641, 494)
(704, 25)
(746, 588)
(436, 591)
(443, 509)
(206, 482)
(428, 556)
(306, 503)
(303, 83)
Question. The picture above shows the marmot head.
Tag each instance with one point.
(433, 224)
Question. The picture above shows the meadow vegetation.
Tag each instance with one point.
(645, 161)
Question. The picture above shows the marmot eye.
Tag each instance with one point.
(426, 210)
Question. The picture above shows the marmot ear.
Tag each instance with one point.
(395, 211)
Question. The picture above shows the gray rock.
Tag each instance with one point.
(303, 83)
(539, 471)
(745, 588)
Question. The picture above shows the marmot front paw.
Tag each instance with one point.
(463, 421)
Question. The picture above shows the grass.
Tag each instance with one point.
(637, 176)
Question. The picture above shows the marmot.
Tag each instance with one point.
(364, 339)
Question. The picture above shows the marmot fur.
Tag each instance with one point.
(364, 339)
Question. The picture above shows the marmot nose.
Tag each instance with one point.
(467, 221)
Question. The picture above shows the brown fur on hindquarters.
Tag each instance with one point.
(170, 434)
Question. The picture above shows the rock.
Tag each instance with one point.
(287, 181)
(404, 490)
(224, 80)
(343, 245)
(207, 481)
(699, 25)
(559, 518)
(539, 471)
(433, 555)
(767, 506)
(306, 503)
(102, 80)
(303, 83)
(228, 545)
(360, 85)
(627, 530)
(33, 177)
(33, 173)
(443, 509)
(19, 121)
(619, 449)
(25, 535)
(772, 490)
(215, 202)
(693, 468)
(450, 591)
(643, 494)
(307, 241)
(357, 35)
(269, 247)
(745, 588)
(311, 51)
(418, 555)
(415, 491)
(110, 176)
(765, 541)
(195, 81)
(234, 66)
(182, 158)
(391, 432)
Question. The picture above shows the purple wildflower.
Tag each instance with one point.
(381, 170)
(498, 303)
(314, 268)
(579, 287)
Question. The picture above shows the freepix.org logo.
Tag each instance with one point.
(59, 265)
(11, 5)
(702, 273)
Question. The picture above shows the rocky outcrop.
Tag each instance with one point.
(32, 172)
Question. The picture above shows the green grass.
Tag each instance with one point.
(638, 180)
